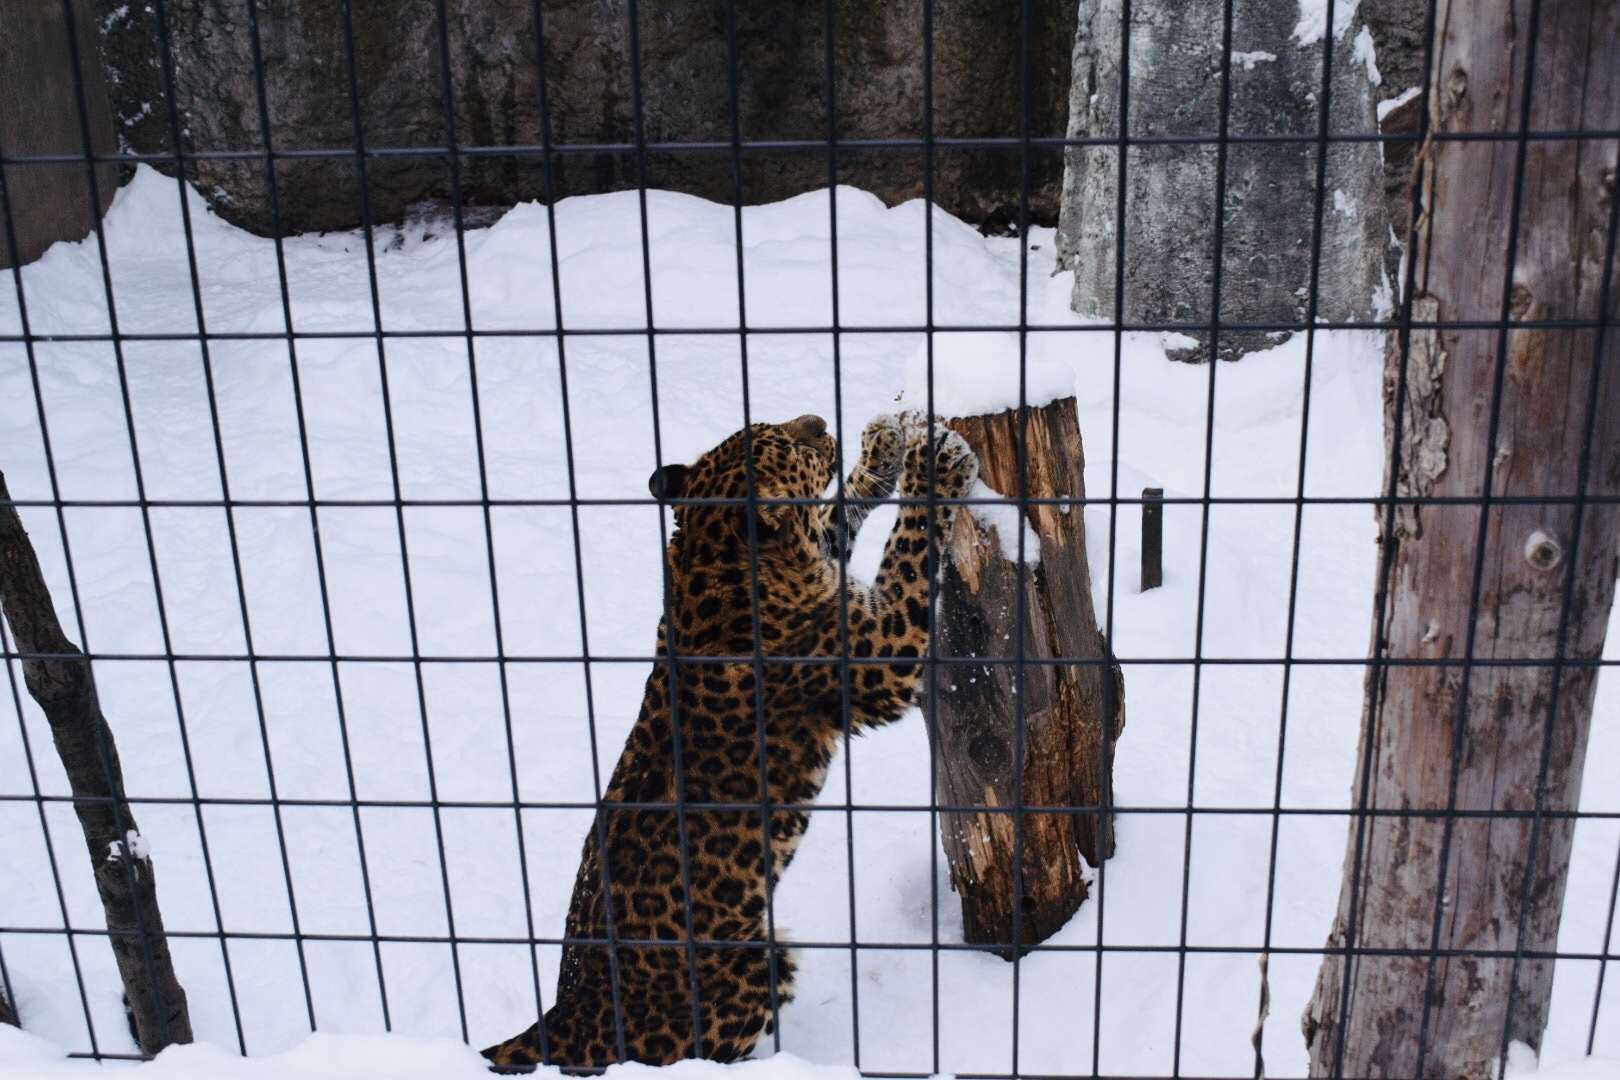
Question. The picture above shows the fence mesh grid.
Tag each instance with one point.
(249, 970)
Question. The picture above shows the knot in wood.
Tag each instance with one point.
(1542, 551)
(1520, 301)
(989, 752)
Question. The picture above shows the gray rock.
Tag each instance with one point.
(1270, 204)
(1397, 29)
(684, 90)
(40, 114)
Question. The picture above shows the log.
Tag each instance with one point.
(1450, 920)
(59, 678)
(1069, 697)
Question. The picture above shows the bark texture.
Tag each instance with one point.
(1069, 695)
(1460, 735)
(58, 677)
(39, 115)
(781, 50)
(1269, 208)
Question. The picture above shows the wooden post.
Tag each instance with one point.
(1152, 538)
(59, 678)
(1069, 694)
(1445, 915)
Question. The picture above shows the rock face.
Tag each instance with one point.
(1270, 206)
(1397, 28)
(592, 90)
(40, 115)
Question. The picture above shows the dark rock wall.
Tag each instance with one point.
(44, 202)
(1397, 28)
(878, 93)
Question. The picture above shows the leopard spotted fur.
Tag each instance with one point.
(738, 717)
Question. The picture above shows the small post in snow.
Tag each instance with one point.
(1152, 538)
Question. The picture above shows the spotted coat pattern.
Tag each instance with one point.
(739, 720)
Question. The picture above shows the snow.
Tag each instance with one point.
(1000, 514)
(421, 580)
(1249, 59)
(136, 844)
(1390, 105)
(977, 372)
(1367, 53)
(1521, 1065)
(1313, 17)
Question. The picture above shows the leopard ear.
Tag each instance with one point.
(668, 482)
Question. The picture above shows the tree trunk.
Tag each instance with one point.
(59, 678)
(1269, 194)
(1449, 918)
(1069, 697)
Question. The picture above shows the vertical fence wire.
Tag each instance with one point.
(119, 806)
(307, 469)
(670, 660)
(12, 654)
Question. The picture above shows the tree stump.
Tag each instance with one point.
(1038, 797)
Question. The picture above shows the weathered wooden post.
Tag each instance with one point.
(58, 676)
(1152, 538)
(1014, 738)
(1479, 699)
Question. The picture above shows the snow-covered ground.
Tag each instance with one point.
(378, 727)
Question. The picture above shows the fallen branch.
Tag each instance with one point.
(58, 676)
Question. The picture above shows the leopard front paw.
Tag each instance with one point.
(882, 453)
(955, 466)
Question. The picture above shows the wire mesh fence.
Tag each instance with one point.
(351, 529)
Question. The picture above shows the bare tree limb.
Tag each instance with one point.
(59, 678)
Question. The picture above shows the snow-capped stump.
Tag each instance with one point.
(1035, 734)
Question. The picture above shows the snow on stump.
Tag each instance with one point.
(1013, 739)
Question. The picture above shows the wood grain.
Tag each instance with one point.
(1035, 735)
(1473, 734)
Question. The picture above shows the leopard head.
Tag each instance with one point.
(794, 460)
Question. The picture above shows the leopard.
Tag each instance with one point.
(769, 654)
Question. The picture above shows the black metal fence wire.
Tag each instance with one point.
(543, 154)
